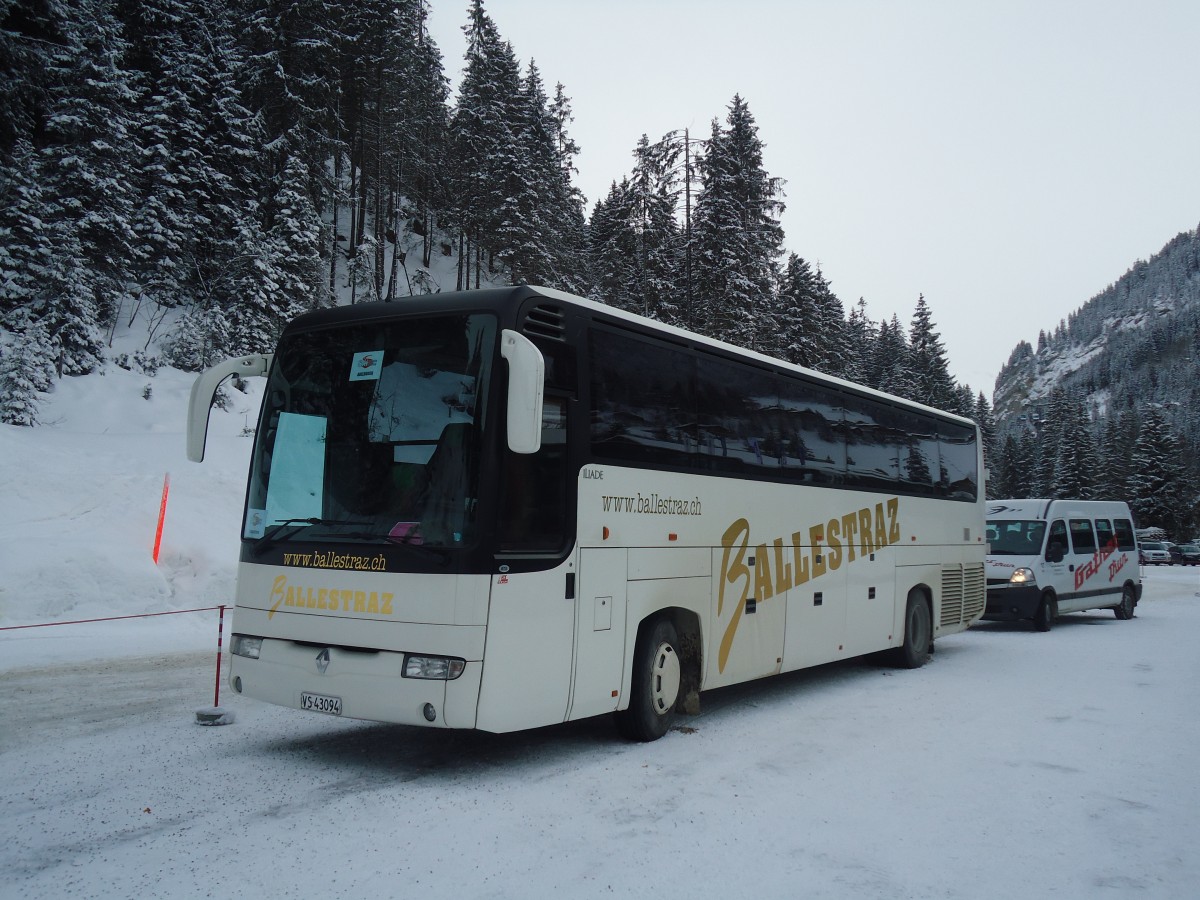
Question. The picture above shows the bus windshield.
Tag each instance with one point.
(372, 432)
(1018, 537)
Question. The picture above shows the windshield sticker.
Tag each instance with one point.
(256, 522)
(366, 366)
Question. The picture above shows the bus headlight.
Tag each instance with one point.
(433, 668)
(1021, 576)
(244, 645)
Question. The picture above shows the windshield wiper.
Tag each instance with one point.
(271, 536)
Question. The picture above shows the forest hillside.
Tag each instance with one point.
(1108, 403)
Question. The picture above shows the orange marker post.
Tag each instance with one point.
(162, 515)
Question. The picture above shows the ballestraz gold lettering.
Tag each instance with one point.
(301, 596)
(841, 540)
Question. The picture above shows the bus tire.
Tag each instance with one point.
(918, 633)
(657, 675)
(1128, 602)
(1047, 612)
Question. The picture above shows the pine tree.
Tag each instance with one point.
(652, 194)
(1158, 477)
(800, 316)
(927, 372)
(26, 370)
(1054, 429)
(1117, 441)
(860, 335)
(530, 239)
(423, 138)
(1075, 464)
(26, 243)
(611, 250)
(1006, 480)
(738, 238)
(488, 169)
(86, 170)
(982, 414)
(888, 367)
(833, 345)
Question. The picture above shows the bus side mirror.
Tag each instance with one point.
(526, 385)
(1055, 553)
(204, 388)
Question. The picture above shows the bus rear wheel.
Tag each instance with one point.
(918, 633)
(1128, 602)
(657, 675)
(1047, 612)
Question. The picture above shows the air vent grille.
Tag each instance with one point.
(547, 322)
(963, 594)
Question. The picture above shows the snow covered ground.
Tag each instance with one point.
(1015, 764)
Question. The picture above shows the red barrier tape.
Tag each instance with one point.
(173, 612)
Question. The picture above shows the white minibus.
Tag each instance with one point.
(1047, 557)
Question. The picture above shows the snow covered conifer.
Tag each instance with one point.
(927, 372)
(737, 236)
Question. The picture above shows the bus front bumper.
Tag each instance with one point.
(1008, 604)
(358, 685)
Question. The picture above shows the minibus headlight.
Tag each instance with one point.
(1021, 576)
(433, 668)
(244, 645)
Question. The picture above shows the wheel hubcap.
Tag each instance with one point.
(664, 682)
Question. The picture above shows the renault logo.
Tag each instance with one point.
(323, 660)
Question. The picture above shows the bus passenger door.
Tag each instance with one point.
(599, 632)
(526, 679)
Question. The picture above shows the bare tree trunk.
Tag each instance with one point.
(333, 250)
(380, 212)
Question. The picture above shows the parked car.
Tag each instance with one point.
(1153, 553)
(1189, 554)
(1173, 549)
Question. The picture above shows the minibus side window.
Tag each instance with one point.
(1083, 539)
(1125, 538)
(1056, 544)
(1104, 533)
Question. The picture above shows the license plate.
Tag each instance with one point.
(320, 703)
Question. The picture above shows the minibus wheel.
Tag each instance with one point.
(1128, 602)
(1047, 612)
(657, 675)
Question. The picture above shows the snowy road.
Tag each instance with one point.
(1015, 764)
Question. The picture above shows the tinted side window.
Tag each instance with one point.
(1125, 538)
(658, 404)
(810, 431)
(737, 411)
(960, 462)
(1058, 536)
(878, 453)
(641, 400)
(1104, 533)
(1083, 539)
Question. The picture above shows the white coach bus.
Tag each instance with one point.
(509, 508)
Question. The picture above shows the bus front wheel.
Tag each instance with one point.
(918, 633)
(657, 675)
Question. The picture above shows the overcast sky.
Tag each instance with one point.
(1009, 160)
